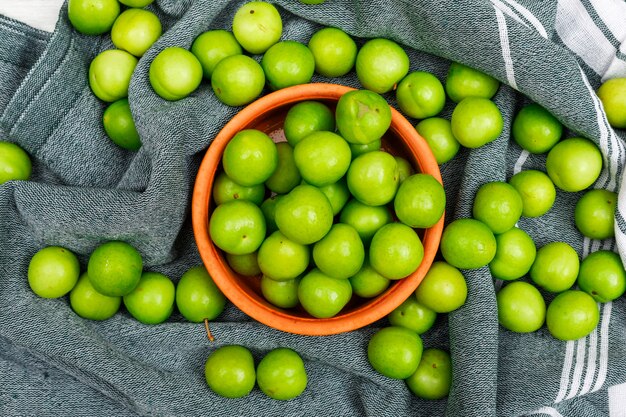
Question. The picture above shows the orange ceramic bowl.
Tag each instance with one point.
(267, 114)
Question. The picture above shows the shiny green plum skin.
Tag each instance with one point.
(571, 315)
(175, 73)
(115, 268)
(135, 30)
(90, 304)
(433, 377)
(110, 73)
(237, 80)
(197, 296)
(229, 371)
(395, 352)
(334, 51)
(15, 163)
(119, 125)
(53, 271)
(212, 46)
(281, 374)
(93, 17)
(257, 26)
(152, 301)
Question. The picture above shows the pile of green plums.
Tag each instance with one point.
(230, 372)
(114, 275)
(315, 215)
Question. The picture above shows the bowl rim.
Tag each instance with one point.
(375, 308)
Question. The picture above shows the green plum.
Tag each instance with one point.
(90, 304)
(246, 264)
(339, 254)
(152, 300)
(92, 17)
(433, 377)
(337, 193)
(556, 267)
(468, 244)
(307, 117)
(135, 30)
(268, 207)
(15, 163)
(115, 268)
(237, 80)
(443, 289)
(197, 296)
(476, 121)
(361, 148)
(420, 95)
(334, 51)
(413, 315)
(175, 73)
(136, 3)
(283, 294)
(282, 259)
(602, 276)
(594, 214)
(373, 178)
(286, 175)
(438, 134)
(304, 215)
(420, 201)
(571, 315)
(257, 25)
(405, 169)
(521, 307)
(250, 158)
(287, 63)
(281, 374)
(237, 227)
(53, 271)
(367, 283)
(463, 81)
(364, 218)
(574, 164)
(212, 46)
(322, 158)
(395, 352)
(396, 251)
(536, 129)
(110, 73)
(119, 125)
(537, 192)
(612, 93)
(498, 205)
(229, 371)
(322, 296)
(225, 189)
(362, 116)
(381, 64)
(515, 254)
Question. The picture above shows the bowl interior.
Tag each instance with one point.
(268, 114)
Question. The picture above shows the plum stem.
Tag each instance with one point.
(209, 335)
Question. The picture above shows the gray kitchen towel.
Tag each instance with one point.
(84, 190)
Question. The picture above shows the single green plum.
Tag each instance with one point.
(152, 300)
(119, 125)
(135, 30)
(90, 304)
(110, 73)
(175, 73)
(92, 17)
(15, 163)
(53, 271)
